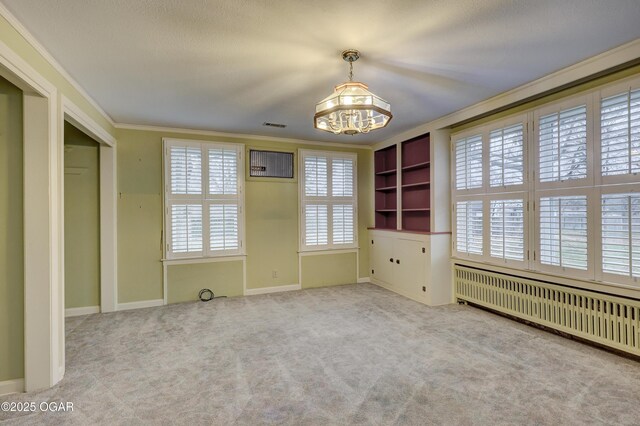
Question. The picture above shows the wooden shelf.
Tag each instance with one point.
(386, 172)
(410, 185)
(417, 210)
(417, 166)
(386, 188)
(386, 210)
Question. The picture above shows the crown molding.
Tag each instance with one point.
(574, 74)
(29, 38)
(161, 129)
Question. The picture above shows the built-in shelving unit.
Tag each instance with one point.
(386, 188)
(412, 226)
(416, 184)
(405, 170)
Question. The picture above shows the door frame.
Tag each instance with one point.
(108, 198)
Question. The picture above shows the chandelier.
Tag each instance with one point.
(351, 108)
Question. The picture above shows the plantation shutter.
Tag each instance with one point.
(186, 228)
(562, 138)
(316, 225)
(621, 234)
(328, 199)
(507, 229)
(224, 204)
(316, 183)
(620, 133)
(223, 171)
(223, 227)
(563, 231)
(203, 223)
(469, 162)
(506, 156)
(343, 224)
(342, 177)
(469, 225)
(186, 170)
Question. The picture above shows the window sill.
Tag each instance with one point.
(190, 260)
(311, 252)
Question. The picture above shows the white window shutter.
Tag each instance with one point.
(186, 228)
(620, 133)
(223, 171)
(342, 170)
(223, 227)
(343, 224)
(185, 170)
(469, 162)
(316, 176)
(563, 231)
(562, 139)
(507, 229)
(621, 234)
(506, 156)
(316, 225)
(469, 227)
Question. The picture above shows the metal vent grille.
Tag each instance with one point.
(608, 320)
(271, 164)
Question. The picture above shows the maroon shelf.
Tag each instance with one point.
(385, 169)
(387, 188)
(416, 184)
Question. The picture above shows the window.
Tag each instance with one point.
(563, 231)
(469, 225)
(506, 219)
(577, 213)
(562, 139)
(328, 200)
(468, 167)
(621, 234)
(203, 199)
(620, 133)
(506, 156)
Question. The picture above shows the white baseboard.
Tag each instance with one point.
(86, 310)
(276, 289)
(11, 386)
(141, 304)
(364, 280)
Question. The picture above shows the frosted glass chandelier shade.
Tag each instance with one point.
(351, 108)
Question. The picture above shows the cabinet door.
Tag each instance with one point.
(410, 274)
(381, 253)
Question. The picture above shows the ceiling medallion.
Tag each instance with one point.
(351, 108)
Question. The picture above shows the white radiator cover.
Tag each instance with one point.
(608, 320)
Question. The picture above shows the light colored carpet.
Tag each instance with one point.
(355, 354)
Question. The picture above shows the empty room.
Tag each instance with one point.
(247, 212)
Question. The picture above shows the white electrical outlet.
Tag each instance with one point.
(274, 274)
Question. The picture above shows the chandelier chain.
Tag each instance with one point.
(350, 70)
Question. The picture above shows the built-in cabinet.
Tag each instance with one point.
(405, 255)
(414, 265)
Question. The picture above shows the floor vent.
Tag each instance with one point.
(608, 320)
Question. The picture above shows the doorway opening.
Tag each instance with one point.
(81, 222)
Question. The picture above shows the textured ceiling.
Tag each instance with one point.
(230, 65)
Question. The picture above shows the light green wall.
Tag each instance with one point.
(223, 278)
(328, 269)
(11, 316)
(82, 219)
(271, 211)
(11, 236)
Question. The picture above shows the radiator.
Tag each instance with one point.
(604, 319)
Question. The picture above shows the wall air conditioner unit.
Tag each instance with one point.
(271, 164)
